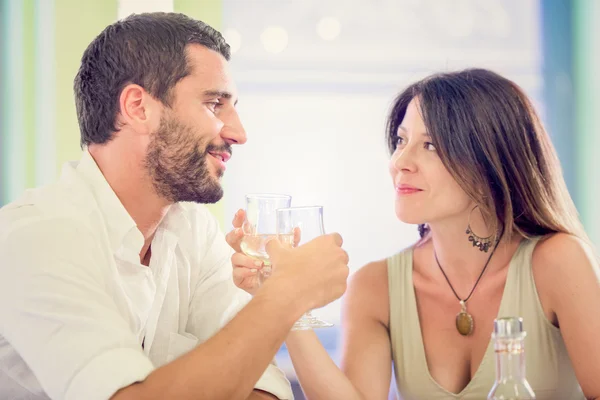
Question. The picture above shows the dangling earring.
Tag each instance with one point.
(483, 243)
(423, 229)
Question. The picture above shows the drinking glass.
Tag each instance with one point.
(260, 226)
(296, 226)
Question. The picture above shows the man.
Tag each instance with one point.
(115, 282)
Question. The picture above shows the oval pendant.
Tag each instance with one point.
(464, 323)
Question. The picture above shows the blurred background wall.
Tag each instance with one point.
(316, 79)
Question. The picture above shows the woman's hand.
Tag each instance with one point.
(246, 270)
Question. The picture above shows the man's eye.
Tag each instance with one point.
(214, 105)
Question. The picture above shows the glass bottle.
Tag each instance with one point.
(509, 344)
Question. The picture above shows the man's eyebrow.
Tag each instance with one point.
(219, 93)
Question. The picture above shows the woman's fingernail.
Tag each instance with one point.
(258, 263)
(253, 271)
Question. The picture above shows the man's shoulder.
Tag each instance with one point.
(33, 241)
(53, 208)
(28, 221)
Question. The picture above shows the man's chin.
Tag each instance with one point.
(203, 194)
(210, 200)
(212, 194)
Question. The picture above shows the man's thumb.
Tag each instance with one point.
(273, 247)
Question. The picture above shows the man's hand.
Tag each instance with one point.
(315, 273)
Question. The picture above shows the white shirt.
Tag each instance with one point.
(76, 304)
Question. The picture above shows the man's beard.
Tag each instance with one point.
(178, 165)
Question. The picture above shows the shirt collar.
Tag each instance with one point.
(121, 228)
(176, 220)
(119, 224)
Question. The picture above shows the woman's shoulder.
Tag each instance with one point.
(560, 262)
(565, 241)
(561, 250)
(367, 294)
(368, 289)
(369, 278)
(375, 274)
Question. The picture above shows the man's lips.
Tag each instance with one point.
(223, 156)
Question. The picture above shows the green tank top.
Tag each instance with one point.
(549, 369)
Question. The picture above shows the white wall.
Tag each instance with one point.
(315, 110)
(323, 150)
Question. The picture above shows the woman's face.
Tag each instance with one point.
(425, 191)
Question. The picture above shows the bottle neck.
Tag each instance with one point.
(510, 359)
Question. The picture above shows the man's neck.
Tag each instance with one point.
(130, 182)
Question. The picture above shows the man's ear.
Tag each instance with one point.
(138, 109)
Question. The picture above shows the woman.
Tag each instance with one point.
(500, 236)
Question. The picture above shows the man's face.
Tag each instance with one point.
(186, 155)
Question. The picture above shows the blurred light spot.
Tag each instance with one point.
(234, 39)
(329, 28)
(274, 39)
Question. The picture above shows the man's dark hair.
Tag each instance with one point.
(145, 49)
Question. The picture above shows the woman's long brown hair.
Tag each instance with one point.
(489, 137)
